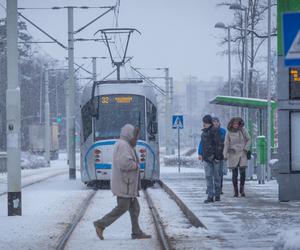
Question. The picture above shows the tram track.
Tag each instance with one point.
(162, 236)
(75, 220)
(39, 180)
(165, 240)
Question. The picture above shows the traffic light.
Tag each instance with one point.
(59, 119)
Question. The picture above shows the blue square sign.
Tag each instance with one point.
(291, 38)
(177, 121)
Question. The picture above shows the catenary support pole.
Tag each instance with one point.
(269, 95)
(173, 135)
(13, 113)
(71, 98)
(167, 112)
(94, 61)
(246, 64)
(47, 129)
(229, 68)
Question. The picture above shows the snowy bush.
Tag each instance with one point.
(29, 161)
(288, 240)
(186, 161)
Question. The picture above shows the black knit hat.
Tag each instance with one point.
(207, 119)
(215, 119)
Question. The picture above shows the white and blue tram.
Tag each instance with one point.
(105, 109)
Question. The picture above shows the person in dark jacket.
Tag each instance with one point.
(211, 153)
(217, 124)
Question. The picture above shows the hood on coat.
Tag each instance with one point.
(127, 132)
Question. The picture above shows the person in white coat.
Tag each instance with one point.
(236, 147)
(125, 183)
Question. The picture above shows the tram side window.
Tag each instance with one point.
(151, 120)
(86, 120)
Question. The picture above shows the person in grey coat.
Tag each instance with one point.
(237, 144)
(125, 183)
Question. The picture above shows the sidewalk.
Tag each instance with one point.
(253, 222)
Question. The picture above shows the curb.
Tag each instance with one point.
(194, 220)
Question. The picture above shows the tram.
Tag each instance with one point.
(105, 109)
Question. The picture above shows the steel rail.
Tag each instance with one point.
(163, 238)
(75, 221)
(38, 181)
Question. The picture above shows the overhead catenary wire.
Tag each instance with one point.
(159, 89)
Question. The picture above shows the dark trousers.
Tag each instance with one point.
(123, 205)
(235, 173)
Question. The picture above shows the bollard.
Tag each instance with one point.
(3, 168)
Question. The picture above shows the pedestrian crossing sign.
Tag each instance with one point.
(177, 121)
(291, 38)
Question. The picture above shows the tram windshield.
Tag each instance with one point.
(117, 110)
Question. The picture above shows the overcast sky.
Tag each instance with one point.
(178, 34)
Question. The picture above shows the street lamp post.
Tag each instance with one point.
(221, 25)
(236, 6)
(269, 94)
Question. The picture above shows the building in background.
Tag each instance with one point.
(191, 98)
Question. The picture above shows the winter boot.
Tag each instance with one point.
(140, 236)
(99, 231)
(242, 192)
(236, 191)
(209, 200)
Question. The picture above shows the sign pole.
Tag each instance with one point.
(177, 123)
(179, 161)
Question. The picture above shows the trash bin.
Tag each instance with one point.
(3, 156)
(261, 160)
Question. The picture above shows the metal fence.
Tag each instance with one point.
(3, 167)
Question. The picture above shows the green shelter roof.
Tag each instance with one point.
(243, 102)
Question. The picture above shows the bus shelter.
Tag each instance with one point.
(250, 103)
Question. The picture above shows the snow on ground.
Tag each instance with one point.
(32, 175)
(253, 222)
(29, 176)
(288, 240)
(116, 236)
(31, 161)
(47, 209)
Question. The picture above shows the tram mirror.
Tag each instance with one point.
(154, 128)
(153, 113)
(94, 107)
